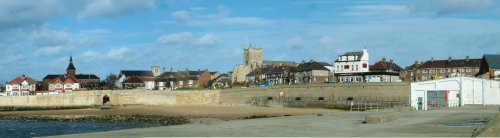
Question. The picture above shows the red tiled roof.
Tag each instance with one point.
(20, 79)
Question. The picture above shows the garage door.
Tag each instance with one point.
(436, 99)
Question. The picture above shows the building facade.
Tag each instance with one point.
(146, 76)
(86, 81)
(311, 72)
(22, 85)
(384, 71)
(438, 69)
(350, 66)
(252, 60)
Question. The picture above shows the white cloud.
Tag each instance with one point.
(187, 38)
(22, 13)
(181, 16)
(370, 10)
(246, 21)
(223, 11)
(112, 8)
(222, 17)
(46, 37)
(450, 7)
(326, 41)
(175, 38)
(295, 42)
(206, 40)
(50, 51)
(122, 53)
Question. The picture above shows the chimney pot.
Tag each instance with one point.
(383, 59)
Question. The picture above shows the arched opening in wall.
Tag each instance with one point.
(105, 99)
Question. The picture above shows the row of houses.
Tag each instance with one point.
(154, 80)
(127, 79)
(58, 83)
(355, 67)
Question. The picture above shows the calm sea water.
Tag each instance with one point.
(18, 128)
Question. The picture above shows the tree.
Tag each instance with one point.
(111, 80)
(210, 83)
(167, 84)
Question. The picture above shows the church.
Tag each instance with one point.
(70, 81)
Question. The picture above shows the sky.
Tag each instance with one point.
(106, 36)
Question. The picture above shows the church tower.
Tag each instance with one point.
(71, 70)
(253, 57)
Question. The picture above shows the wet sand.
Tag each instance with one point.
(216, 112)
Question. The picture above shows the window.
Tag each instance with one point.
(424, 71)
(442, 70)
(365, 65)
(431, 71)
(411, 74)
(346, 66)
(468, 70)
(181, 82)
(356, 67)
(352, 67)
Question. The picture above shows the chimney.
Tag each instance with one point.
(392, 60)
(416, 62)
(466, 58)
(383, 59)
(432, 59)
(449, 59)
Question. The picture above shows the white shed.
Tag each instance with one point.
(453, 92)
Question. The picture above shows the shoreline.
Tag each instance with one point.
(160, 115)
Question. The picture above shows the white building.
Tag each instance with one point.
(350, 66)
(64, 83)
(22, 85)
(147, 77)
(453, 92)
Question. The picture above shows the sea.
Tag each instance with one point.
(27, 129)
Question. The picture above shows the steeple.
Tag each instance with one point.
(71, 70)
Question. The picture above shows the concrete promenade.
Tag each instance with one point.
(452, 122)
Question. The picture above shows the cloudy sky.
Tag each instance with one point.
(104, 36)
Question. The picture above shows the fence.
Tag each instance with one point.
(359, 103)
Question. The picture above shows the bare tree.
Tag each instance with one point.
(111, 80)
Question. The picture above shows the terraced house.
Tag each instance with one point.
(436, 69)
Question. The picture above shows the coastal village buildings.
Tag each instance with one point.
(136, 79)
(63, 82)
(186, 78)
(22, 85)
(280, 75)
(490, 67)
(384, 71)
(253, 60)
(350, 66)
(312, 72)
(437, 69)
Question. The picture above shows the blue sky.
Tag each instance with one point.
(104, 36)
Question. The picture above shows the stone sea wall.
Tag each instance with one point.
(117, 97)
